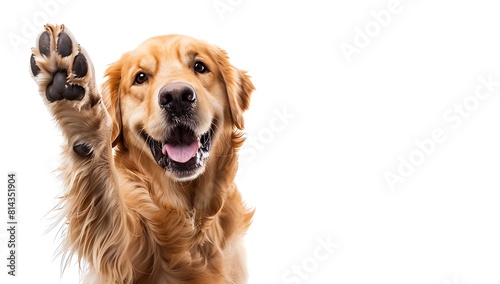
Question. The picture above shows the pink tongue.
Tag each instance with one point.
(180, 153)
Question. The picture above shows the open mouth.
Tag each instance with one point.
(182, 152)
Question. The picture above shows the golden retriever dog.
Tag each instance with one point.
(149, 166)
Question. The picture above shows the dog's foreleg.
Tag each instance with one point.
(94, 210)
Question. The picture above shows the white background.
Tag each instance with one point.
(324, 130)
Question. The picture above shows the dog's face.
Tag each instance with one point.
(173, 98)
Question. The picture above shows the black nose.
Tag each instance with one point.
(177, 98)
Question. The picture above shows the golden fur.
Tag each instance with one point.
(127, 218)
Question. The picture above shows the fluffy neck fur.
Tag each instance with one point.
(202, 211)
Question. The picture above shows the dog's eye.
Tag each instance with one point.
(200, 67)
(140, 78)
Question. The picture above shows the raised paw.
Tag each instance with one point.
(60, 66)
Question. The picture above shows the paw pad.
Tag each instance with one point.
(70, 64)
(34, 69)
(59, 89)
(80, 66)
(64, 45)
(44, 43)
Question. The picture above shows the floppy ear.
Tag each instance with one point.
(238, 88)
(111, 98)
